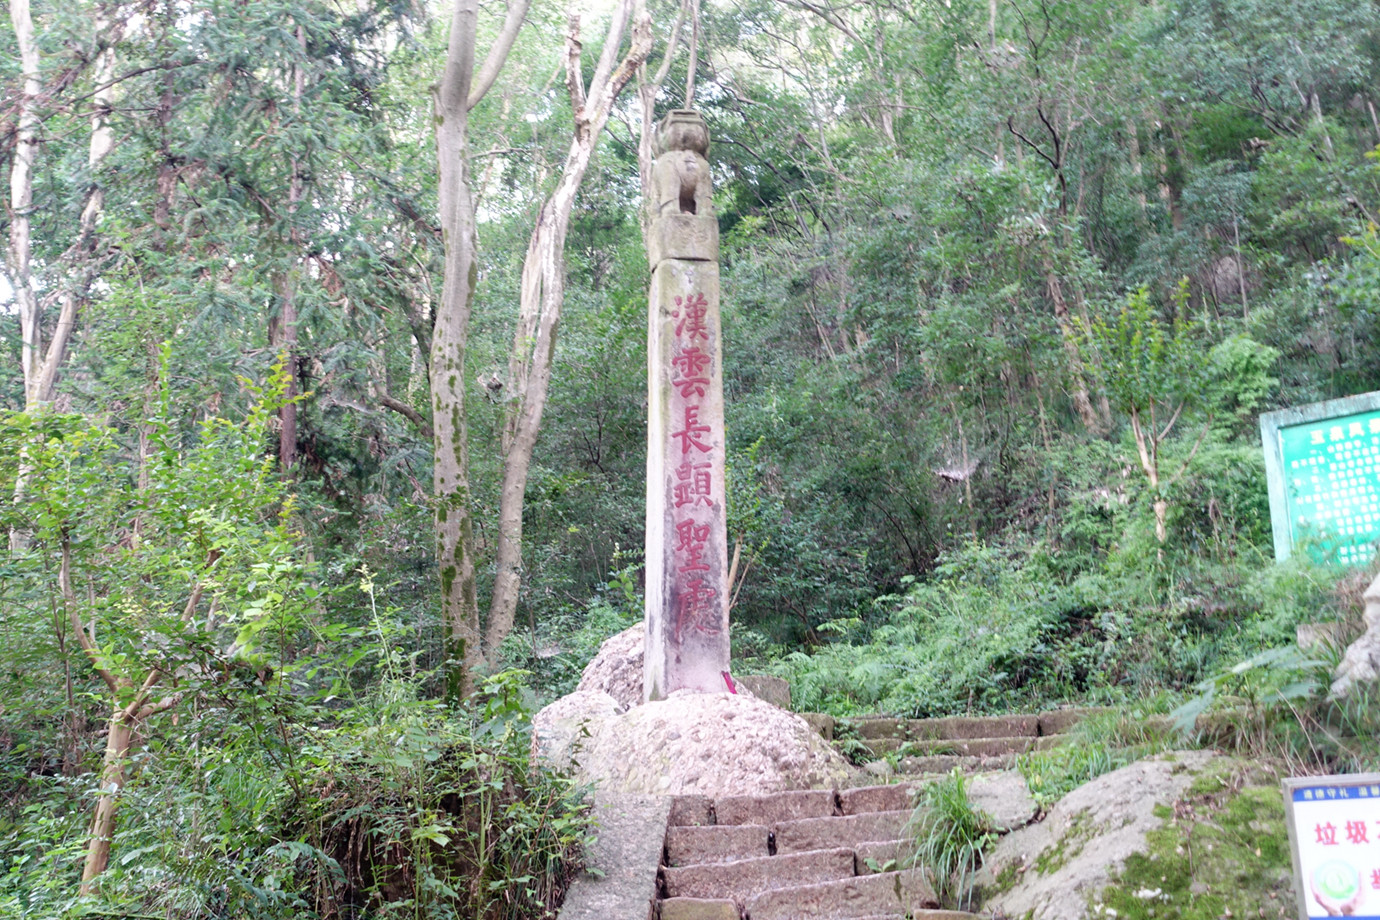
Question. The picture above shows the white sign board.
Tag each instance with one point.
(1334, 833)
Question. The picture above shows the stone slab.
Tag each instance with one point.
(975, 747)
(882, 746)
(767, 688)
(893, 797)
(1058, 721)
(1005, 797)
(770, 809)
(821, 833)
(698, 909)
(821, 722)
(690, 846)
(879, 728)
(747, 878)
(888, 894)
(883, 856)
(691, 810)
(974, 727)
(627, 852)
(942, 764)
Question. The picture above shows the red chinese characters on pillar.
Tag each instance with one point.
(694, 486)
(693, 316)
(697, 604)
(691, 366)
(690, 436)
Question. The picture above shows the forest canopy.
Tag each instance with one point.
(1006, 286)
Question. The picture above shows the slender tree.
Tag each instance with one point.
(460, 90)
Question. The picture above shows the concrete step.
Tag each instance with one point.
(808, 834)
(883, 856)
(697, 909)
(970, 747)
(769, 809)
(886, 894)
(747, 878)
(720, 843)
(893, 797)
(946, 763)
(967, 727)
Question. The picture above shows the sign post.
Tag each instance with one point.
(1334, 836)
(1322, 464)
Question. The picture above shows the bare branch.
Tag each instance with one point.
(574, 81)
(498, 54)
(407, 412)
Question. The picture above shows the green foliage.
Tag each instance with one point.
(420, 812)
(950, 835)
(1098, 744)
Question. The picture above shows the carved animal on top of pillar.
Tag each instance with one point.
(680, 175)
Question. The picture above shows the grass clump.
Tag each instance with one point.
(1097, 745)
(951, 835)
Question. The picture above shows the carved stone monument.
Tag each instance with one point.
(687, 536)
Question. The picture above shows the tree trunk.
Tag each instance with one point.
(543, 295)
(460, 89)
(1078, 384)
(117, 747)
(20, 249)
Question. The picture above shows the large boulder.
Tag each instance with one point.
(1163, 834)
(617, 669)
(561, 729)
(708, 744)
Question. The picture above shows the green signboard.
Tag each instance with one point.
(1322, 462)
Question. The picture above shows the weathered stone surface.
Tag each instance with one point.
(893, 797)
(870, 729)
(692, 810)
(720, 843)
(769, 810)
(697, 909)
(765, 687)
(878, 769)
(975, 747)
(617, 669)
(1058, 721)
(882, 746)
(946, 763)
(627, 853)
(560, 729)
(1086, 838)
(820, 722)
(817, 833)
(1005, 798)
(1361, 664)
(973, 727)
(709, 744)
(687, 644)
(747, 878)
(883, 856)
(885, 894)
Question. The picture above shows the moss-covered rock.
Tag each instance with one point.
(1190, 834)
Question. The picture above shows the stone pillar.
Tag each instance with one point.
(687, 532)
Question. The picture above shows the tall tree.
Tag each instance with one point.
(460, 90)
(543, 293)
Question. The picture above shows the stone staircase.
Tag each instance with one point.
(831, 854)
(794, 856)
(968, 743)
(841, 854)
